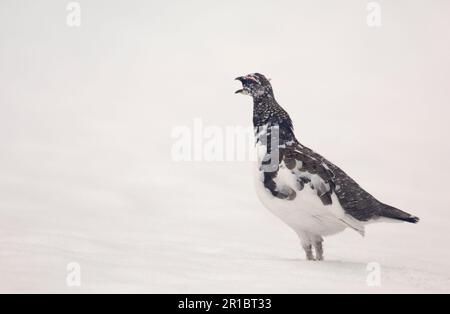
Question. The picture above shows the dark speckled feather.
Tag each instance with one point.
(355, 201)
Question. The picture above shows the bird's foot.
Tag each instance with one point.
(310, 258)
(309, 253)
(318, 246)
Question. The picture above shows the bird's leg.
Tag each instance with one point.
(309, 252)
(305, 239)
(318, 246)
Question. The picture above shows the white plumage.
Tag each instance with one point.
(310, 194)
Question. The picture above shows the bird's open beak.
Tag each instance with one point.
(243, 90)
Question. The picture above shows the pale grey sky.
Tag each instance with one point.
(176, 60)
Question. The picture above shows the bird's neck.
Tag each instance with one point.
(270, 118)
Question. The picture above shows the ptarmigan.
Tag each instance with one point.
(309, 193)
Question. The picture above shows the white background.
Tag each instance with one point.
(86, 115)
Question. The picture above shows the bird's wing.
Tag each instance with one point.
(326, 179)
(355, 201)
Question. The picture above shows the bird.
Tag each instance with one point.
(306, 191)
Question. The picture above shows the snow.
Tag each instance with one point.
(87, 176)
(224, 243)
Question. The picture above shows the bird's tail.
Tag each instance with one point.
(397, 214)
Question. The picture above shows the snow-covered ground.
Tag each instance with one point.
(86, 117)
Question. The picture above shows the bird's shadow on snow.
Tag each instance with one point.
(331, 264)
(326, 263)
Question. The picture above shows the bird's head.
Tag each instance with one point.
(255, 85)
